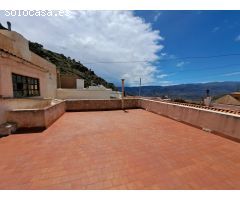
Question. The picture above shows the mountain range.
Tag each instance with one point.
(194, 92)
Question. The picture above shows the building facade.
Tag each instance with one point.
(24, 74)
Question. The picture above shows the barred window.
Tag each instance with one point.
(24, 86)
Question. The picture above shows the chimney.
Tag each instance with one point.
(9, 26)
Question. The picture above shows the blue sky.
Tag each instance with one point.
(197, 33)
(109, 42)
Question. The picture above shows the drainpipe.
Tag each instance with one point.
(122, 94)
(59, 79)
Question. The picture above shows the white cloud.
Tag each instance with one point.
(180, 64)
(215, 29)
(232, 74)
(162, 76)
(165, 83)
(237, 38)
(163, 54)
(96, 36)
(156, 17)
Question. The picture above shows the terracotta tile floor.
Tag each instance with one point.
(118, 150)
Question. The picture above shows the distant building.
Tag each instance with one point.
(73, 88)
(229, 102)
(68, 81)
(236, 95)
(229, 99)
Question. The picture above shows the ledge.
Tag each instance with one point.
(36, 118)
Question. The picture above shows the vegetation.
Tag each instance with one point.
(67, 65)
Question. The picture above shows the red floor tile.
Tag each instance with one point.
(119, 150)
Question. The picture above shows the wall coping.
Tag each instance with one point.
(192, 107)
(36, 109)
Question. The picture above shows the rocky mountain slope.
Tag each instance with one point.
(67, 65)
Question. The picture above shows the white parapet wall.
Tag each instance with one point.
(227, 124)
(116, 95)
(84, 94)
(7, 105)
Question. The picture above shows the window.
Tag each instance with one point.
(24, 86)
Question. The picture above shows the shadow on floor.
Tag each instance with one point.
(29, 130)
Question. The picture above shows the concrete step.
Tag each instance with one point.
(7, 128)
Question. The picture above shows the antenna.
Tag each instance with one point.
(140, 85)
(207, 92)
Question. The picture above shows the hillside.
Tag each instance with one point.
(67, 65)
(193, 92)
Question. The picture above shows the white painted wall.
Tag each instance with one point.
(207, 101)
(98, 87)
(80, 83)
(116, 95)
(83, 94)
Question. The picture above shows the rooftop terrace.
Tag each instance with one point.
(119, 150)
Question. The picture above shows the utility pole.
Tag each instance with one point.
(140, 85)
(207, 92)
(122, 94)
